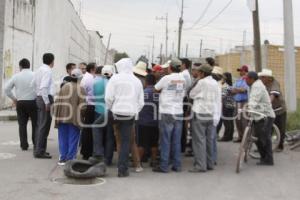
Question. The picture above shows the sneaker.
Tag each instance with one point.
(263, 163)
(139, 169)
(123, 174)
(61, 163)
(176, 169)
(158, 170)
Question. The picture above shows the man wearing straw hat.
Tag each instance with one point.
(278, 103)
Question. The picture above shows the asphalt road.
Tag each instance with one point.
(26, 178)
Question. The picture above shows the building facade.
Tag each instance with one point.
(272, 58)
(30, 28)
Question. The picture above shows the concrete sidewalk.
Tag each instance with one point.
(8, 115)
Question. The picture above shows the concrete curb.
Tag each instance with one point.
(8, 115)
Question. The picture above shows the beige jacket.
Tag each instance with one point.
(69, 105)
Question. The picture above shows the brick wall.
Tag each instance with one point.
(274, 60)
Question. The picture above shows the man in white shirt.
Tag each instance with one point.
(185, 67)
(173, 89)
(44, 85)
(206, 95)
(260, 101)
(124, 97)
(89, 116)
(24, 99)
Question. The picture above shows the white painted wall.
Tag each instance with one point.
(35, 27)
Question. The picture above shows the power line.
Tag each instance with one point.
(202, 15)
(215, 17)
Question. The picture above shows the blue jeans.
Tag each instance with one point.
(170, 141)
(68, 138)
(103, 130)
(125, 127)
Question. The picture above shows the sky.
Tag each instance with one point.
(133, 23)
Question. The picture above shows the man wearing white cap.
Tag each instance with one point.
(172, 89)
(278, 103)
(67, 112)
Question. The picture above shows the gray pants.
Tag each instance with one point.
(202, 128)
(44, 120)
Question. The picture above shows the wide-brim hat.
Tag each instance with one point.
(217, 70)
(140, 69)
(266, 73)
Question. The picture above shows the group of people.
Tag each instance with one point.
(146, 112)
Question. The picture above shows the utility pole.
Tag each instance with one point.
(186, 50)
(167, 34)
(243, 57)
(161, 59)
(107, 49)
(173, 50)
(201, 45)
(153, 47)
(257, 43)
(166, 18)
(289, 57)
(180, 29)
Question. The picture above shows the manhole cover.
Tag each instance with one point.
(71, 181)
(6, 156)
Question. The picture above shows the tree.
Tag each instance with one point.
(119, 56)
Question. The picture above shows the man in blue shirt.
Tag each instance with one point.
(148, 132)
(240, 91)
(102, 129)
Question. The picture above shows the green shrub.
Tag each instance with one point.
(294, 120)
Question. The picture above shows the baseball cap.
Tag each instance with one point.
(243, 68)
(175, 62)
(157, 68)
(252, 75)
(166, 65)
(205, 68)
(108, 70)
(76, 73)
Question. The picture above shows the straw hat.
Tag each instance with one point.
(266, 73)
(217, 70)
(140, 69)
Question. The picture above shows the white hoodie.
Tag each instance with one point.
(124, 93)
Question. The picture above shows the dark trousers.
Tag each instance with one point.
(125, 126)
(280, 122)
(263, 131)
(87, 132)
(44, 120)
(227, 120)
(184, 133)
(103, 138)
(26, 110)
